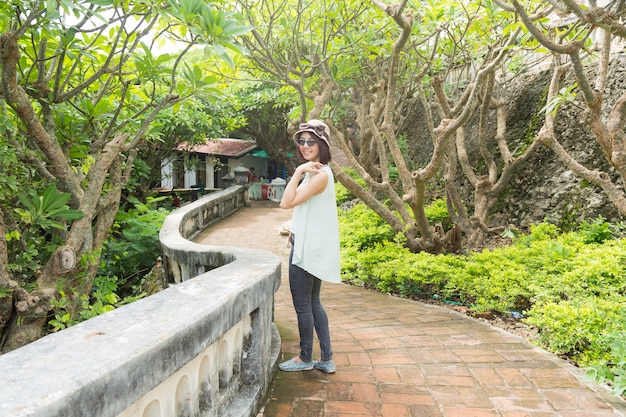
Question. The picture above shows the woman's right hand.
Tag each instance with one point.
(295, 195)
(310, 166)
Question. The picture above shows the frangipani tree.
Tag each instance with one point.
(377, 72)
(82, 84)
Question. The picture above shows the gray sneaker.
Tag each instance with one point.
(325, 366)
(292, 366)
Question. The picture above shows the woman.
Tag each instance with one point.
(314, 243)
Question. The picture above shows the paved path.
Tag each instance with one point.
(401, 358)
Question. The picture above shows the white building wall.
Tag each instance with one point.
(167, 178)
(190, 177)
(209, 168)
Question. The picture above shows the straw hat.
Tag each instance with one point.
(317, 127)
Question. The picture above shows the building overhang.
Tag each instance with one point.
(231, 148)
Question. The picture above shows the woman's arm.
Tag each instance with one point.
(294, 196)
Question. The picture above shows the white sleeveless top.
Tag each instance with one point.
(316, 228)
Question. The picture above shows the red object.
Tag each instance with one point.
(264, 190)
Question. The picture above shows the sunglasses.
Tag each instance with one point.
(310, 143)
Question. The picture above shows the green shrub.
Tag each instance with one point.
(597, 231)
(420, 274)
(494, 281)
(132, 249)
(71, 309)
(366, 262)
(578, 328)
(618, 229)
(544, 231)
(342, 194)
(437, 212)
(362, 228)
(613, 371)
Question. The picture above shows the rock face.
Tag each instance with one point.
(544, 188)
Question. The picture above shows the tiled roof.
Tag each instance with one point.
(233, 148)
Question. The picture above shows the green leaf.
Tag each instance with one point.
(43, 210)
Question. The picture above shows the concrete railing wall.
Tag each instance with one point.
(185, 223)
(206, 346)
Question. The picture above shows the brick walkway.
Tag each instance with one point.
(400, 358)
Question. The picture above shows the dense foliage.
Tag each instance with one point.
(87, 97)
(133, 246)
(570, 286)
(128, 255)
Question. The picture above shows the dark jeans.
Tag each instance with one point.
(305, 293)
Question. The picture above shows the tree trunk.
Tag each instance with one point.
(30, 318)
(30, 312)
(6, 284)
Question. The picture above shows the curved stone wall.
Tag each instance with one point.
(206, 346)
